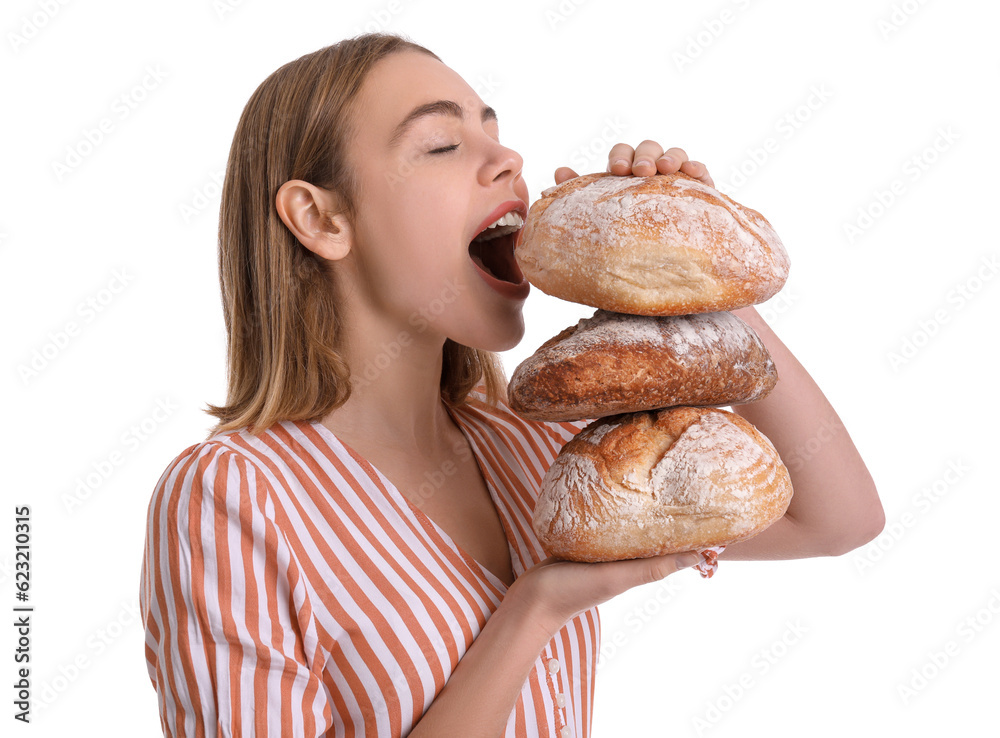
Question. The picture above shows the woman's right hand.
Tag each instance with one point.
(555, 590)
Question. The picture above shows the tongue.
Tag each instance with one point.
(479, 263)
(496, 258)
(501, 267)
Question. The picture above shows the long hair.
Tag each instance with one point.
(281, 311)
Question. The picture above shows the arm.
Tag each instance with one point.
(482, 691)
(835, 506)
(226, 649)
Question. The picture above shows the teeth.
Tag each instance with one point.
(511, 218)
(490, 233)
(503, 225)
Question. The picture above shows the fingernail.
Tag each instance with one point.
(620, 163)
(685, 561)
(642, 162)
(668, 160)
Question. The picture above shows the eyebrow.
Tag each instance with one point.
(438, 107)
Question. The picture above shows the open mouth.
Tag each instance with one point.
(493, 249)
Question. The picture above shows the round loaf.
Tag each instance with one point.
(613, 363)
(652, 483)
(659, 245)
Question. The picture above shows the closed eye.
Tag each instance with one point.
(444, 149)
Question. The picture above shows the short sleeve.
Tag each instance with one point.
(231, 646)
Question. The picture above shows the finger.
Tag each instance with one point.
(646, 154)
(633, 572)
(564, 173)
(699, 171)
(671, 160)
(620, 159)
(655, 568)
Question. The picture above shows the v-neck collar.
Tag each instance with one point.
(498, 503)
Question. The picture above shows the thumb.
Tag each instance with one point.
(564, 173)
(654, 568)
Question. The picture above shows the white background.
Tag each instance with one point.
(847, 93)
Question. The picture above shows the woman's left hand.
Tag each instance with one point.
(647, 159)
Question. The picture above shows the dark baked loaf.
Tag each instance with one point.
(614, 363)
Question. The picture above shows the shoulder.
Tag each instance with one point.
(217, 455)
(207, 478)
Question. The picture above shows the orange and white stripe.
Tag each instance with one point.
(288, 589)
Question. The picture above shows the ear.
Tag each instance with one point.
(315, 217)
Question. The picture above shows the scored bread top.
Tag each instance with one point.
(649, 483)
(660, 245)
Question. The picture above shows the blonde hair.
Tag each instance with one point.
(281, 313)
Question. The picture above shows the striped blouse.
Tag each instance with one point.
(288, 588)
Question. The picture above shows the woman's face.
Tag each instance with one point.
(426, 189)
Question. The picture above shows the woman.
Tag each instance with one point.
(350, 551)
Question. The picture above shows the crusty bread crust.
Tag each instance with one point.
(613, 363)
(652, 483)
(659, 245)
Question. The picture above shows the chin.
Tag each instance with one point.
(515, 332)
(497, 337)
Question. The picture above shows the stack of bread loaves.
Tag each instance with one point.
(660, 470)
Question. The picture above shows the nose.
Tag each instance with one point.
(502, 163)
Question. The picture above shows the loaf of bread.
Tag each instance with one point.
(613, 363)
(659, 245)
(651, 483)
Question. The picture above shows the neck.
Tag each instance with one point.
(395, 388)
